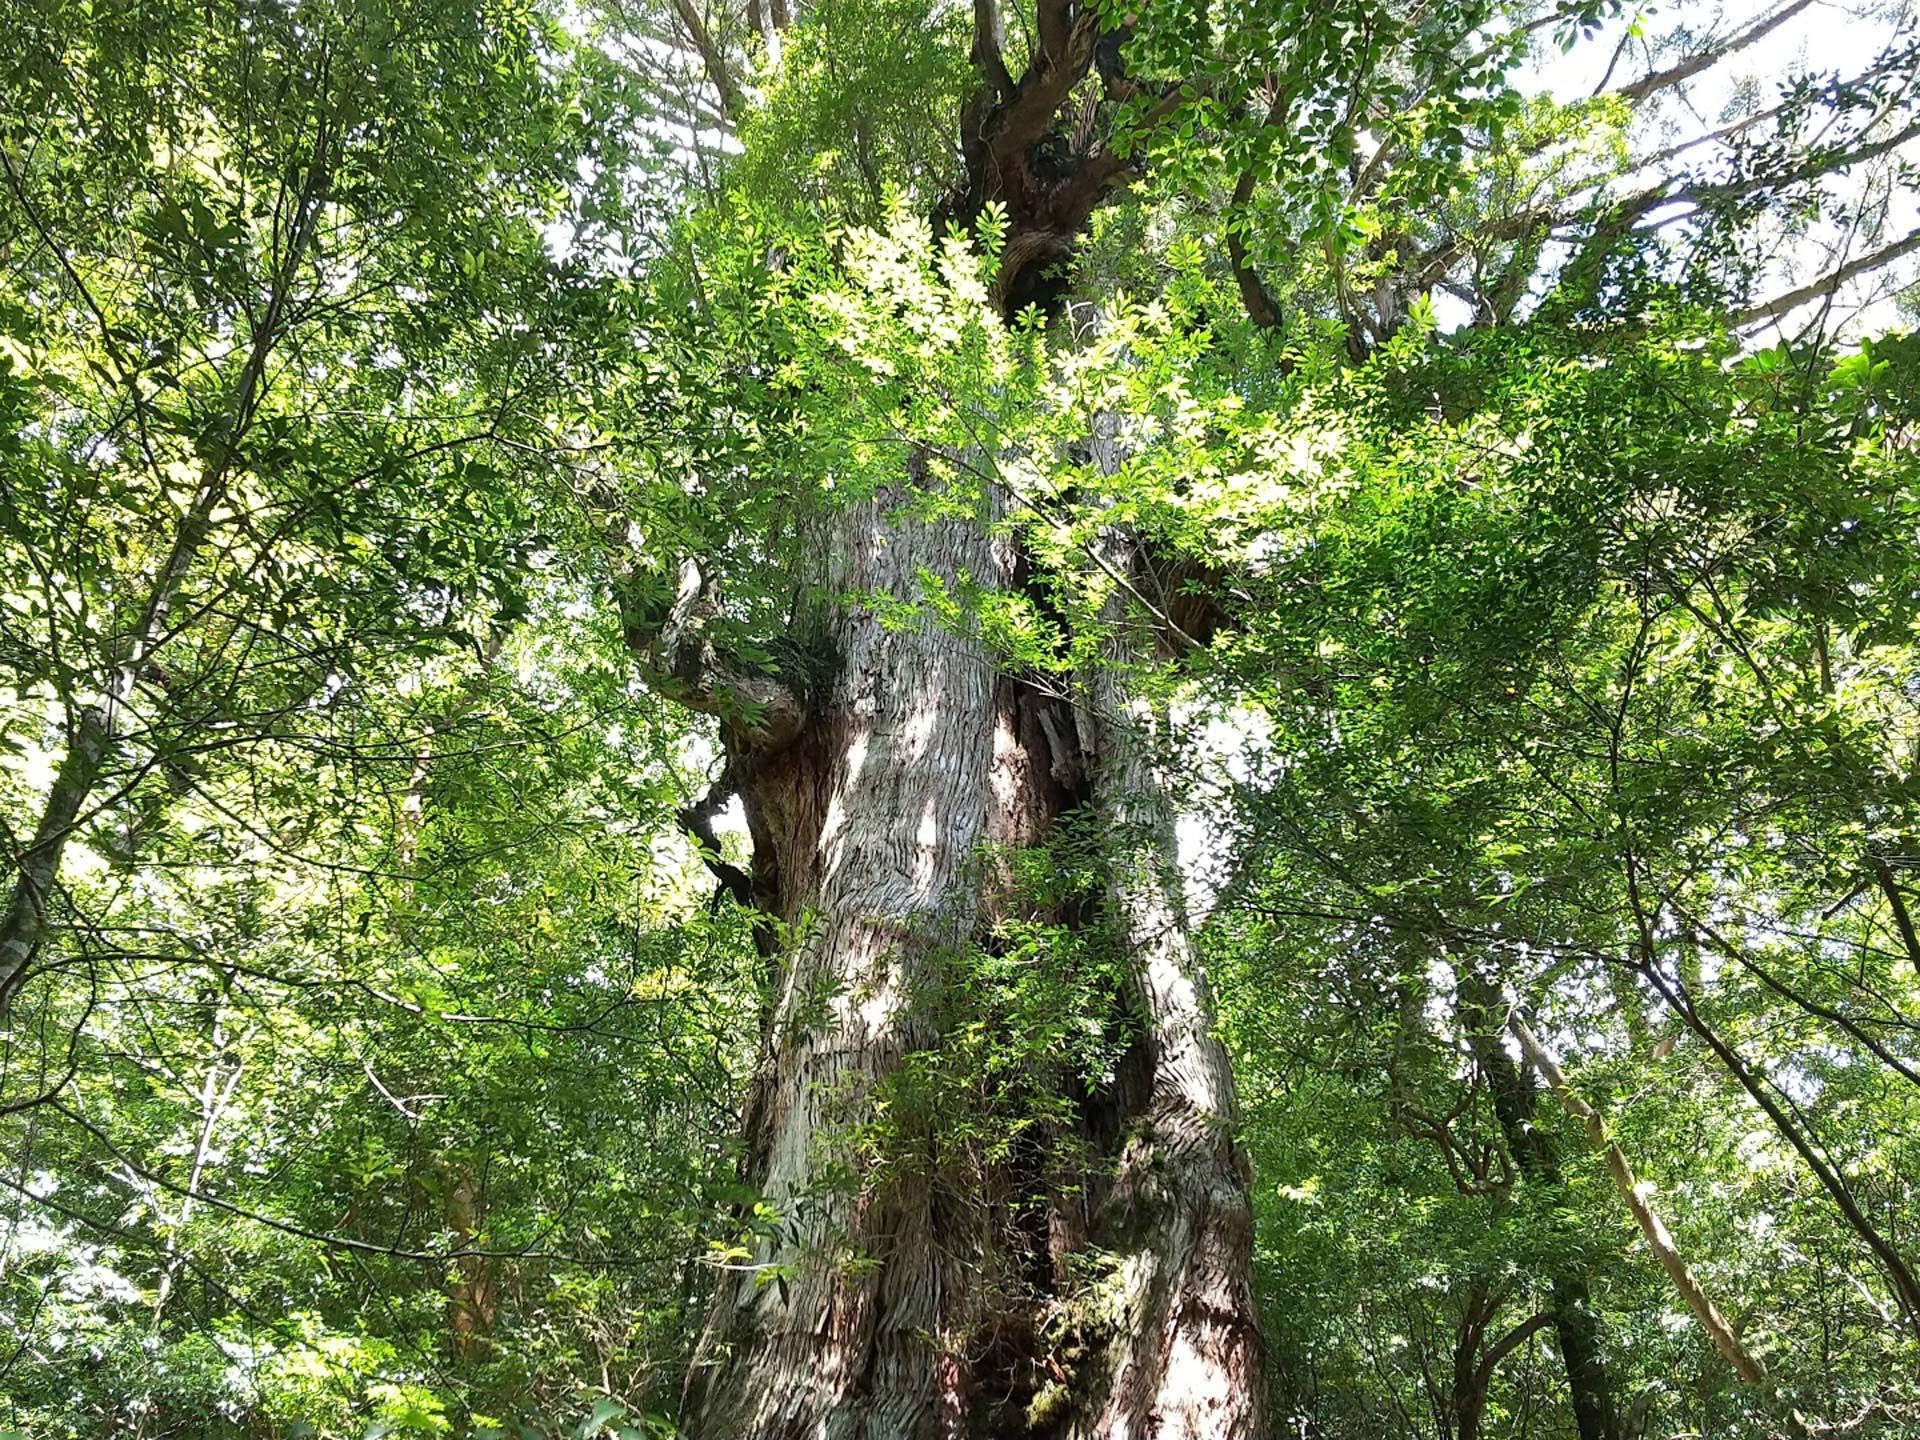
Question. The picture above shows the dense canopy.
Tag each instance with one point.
(876, 721)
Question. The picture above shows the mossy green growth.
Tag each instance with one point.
(1048, 1407)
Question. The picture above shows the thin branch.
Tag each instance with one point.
(1903, 922)
(320, 1237)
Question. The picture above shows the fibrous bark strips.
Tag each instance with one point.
(899, 1287)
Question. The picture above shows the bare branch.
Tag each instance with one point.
(697, 821)
(1826, 286)
(1507, 1344)
(1706, 59)
(1883, 872)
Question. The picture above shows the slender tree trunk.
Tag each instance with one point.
(1473, 1372)
(878, 1305)
(1906, 1286)
(471, 1285)
(1570, 1303)
(1659, 1239)
(24, 923)
(215, 1094)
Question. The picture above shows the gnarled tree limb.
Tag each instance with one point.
(697, 821)
(682, 663)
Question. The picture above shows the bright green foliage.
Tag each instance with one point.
(367, 900)
(367, 373)
(1603, 684)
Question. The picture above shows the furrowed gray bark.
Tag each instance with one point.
(880, 1306)
(1183, 1356)
(876, 1305)
(835, 1326)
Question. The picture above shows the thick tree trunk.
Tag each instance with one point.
(865, 825)
(1185, 1359)
(1112, 1300)
(888, 1300)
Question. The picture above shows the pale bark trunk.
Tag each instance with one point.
(215, 1094)
(470, 1286)
(24, 926)
(1679, 995)
(868, 822)
(1659, 1239)
(879, 1306)
(1184, 1359)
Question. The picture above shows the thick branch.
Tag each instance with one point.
(1821, 289)
(1055, 20)
(697, 821)
(1037, 99)
(1615, 219)
(684, 665)
(712, 59)
(989, 47)
(1706, 59)
(1507, 1344)
(768, 21)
